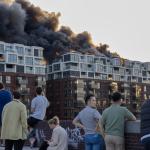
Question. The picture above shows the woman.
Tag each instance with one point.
(59, 140)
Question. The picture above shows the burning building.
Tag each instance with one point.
(73, 75)
(22, 68)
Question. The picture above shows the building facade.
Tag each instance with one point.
(22, 68)
(72, 75)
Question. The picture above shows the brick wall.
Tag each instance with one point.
(132, 135)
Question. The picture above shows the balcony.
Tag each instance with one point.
(71, 68)
(24, 91)
(10, 70)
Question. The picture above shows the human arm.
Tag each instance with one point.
(24, 119)
(99, 128)
(77, 122)
(55, 138)
(33, 105)
(129, 115)
(97, 115)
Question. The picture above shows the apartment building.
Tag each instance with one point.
(72, 75)
(22, 68)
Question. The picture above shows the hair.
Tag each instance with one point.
(88, 97)
(1, 86)
(116, 96)
(16, 95)
(39, 90)
(54, 120)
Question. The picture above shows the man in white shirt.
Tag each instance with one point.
(39, 105)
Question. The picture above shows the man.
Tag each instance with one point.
(5, 97)
(113, 119)
(38, 108)
(87, 119)
(145, 124)
(14, 123)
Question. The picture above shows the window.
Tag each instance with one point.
(56, 67)
(90, 59)
(50, 68)
(37, 61)
(58, 75)
(2, 58)
(9, 48)
(8, 79)
(83, 67)
(20, 50)
(38, 53)
(20, 69)
(1, 48)
(1, 67)
(29, 69)
(91, 74)
(29, 60)
(39, 70)
(0, 78)
(28, 51)
(67, 57)
(74, 57)
(12, 58)
(20, 60)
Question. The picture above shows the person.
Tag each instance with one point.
(38, 109)
(113, 119)
(14, 123)
(87, 119)
(59, 139)
(5, 97)
(145, 124)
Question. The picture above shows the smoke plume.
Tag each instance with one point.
(22, 22)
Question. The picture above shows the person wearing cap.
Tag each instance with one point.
(113, 120)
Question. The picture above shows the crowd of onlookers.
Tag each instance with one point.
(102, 131)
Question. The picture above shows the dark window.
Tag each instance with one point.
(56, 67)
(36, 52)
(90, 74)
(20, 69)
(1, 67)
(67, 57)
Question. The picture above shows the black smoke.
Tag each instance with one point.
(22, 22)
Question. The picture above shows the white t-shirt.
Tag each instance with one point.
(39, 104)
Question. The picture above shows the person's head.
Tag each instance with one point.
(90, 100)
(116, 97)
(39, 91)
(53, 122)
(1, 86)
(16, 95)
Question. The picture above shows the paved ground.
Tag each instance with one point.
(25, 148)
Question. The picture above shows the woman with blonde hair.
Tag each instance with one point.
(59, 140)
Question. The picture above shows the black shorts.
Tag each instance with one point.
(32, 122)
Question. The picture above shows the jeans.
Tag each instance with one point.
(94, 142)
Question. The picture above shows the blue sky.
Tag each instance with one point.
(122, 24)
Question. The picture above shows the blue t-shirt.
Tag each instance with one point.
(89, 118)
(39, 104)
(5, 97)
